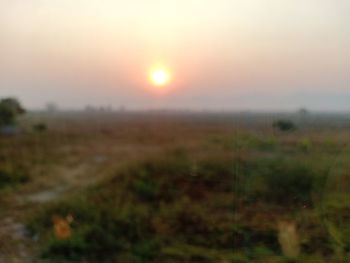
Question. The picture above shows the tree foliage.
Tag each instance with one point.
(10, 108)
(284, 125)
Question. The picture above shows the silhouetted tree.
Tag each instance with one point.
(303, 111)
(52, 107)
(284, 125)
(10, 108)
(40, 127)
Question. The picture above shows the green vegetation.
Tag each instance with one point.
(285, 182)
(40, 127)
(10, 178)
(182, 206)
(284, 125)
(9, 109)
(145, 190)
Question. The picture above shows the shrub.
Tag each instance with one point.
(146, 188)
(12, 178)
(99, 233)
(146, 251)
(159, 179)
(172, 177)
(40, 127)
(153, 209)
(246, 237)
(160, 208)
(70, 249)
(187, 221)
(267, 144)
(284, 182)
(255, 141)
(10, 108)
(305, 145)
(284, 125)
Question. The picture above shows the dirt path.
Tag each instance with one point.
(59, 181)
(15, 244)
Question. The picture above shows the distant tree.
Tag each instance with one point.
(51, 107)
(122, 108)
(40, 127)
(284, 125)
(89, 108)
(303, 111)
(10, 109)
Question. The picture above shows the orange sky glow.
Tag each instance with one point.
(213, 53)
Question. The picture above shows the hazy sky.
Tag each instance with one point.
(238, 54)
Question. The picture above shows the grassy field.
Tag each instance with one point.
(176, 187)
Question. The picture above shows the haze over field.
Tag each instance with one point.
(237, 54)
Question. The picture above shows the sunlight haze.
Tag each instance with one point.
(223, 54)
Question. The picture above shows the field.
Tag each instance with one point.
(175, 187)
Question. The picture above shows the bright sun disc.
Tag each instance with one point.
(159, 77)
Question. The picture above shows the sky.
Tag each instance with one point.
(221, 54)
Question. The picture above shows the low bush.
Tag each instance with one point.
(284, 182)
(98, 233)
(284, 125)
(40, 127)
(305, 145)
(10, 178)
(170, 178)
(145, 207)
(173, 208)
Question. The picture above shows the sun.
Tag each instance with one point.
(159, 77)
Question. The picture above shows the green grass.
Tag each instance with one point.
(10, 178)
(152, 209)
(172, 191)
